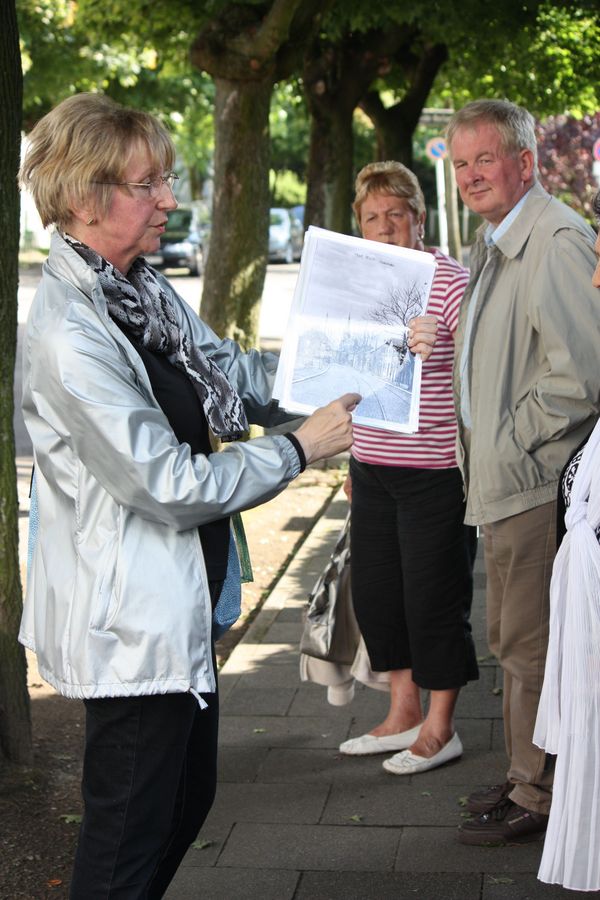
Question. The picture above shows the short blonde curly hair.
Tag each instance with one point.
(388, 177)
(86, 139)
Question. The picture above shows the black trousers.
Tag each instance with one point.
(149, 781)
(411, 567)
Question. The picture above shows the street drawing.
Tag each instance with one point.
(348, 329)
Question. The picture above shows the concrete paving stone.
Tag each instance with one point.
(475, 734)
(479, 633)
(269, 731)
(479, 626)
(478, 700)
(478, 617)
(386, 886)
(301, 578)
(478, 580)
(284, 633)
(347, 848)
(227, 682)
(268, 803)
(312, 700)
(271, 676)
(232, 884)
(420, 846)
(526, 887)
(248, 657)
(498, 740)
(478, 610)
(240, 764)
(292, 614)
(292, 766)
(258, 629)
(209, 846)
(265, 701)
(399, 802)
(473, 768)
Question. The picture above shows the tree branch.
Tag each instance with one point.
(263, 42)
(425, 73)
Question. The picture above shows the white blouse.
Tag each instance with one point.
(568, 720)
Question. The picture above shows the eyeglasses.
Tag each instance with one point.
(150, 189)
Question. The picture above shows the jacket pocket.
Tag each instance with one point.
(105, 599)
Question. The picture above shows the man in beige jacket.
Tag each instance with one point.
(527, 389)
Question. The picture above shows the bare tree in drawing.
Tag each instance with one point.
(402, 303)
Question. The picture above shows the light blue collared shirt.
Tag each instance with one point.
(492, 235)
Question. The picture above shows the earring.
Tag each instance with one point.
(90, 221)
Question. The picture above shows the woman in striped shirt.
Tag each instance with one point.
(411, 555)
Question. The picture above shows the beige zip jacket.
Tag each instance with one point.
(534, 359)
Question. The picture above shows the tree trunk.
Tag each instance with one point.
(15, 722)
(330, 167)
(245, 48)
(336, 77)
(233, 281)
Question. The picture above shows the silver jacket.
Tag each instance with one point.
(117, 599)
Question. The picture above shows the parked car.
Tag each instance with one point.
(298, 212)
(182, 244)
(286, 236)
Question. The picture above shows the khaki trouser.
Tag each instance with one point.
(519, 552)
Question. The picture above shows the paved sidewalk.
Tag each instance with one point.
(295, 819)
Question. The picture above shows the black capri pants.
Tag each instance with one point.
(412, 572)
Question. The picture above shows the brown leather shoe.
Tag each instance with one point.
(506, 823)
(482, 801)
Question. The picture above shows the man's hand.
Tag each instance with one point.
(422, 335)
(329, 430)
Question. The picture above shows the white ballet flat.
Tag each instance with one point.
(407, 763)
(369, 744)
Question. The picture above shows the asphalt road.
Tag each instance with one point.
(275, 307)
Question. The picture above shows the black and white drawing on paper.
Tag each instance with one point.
(349, 329)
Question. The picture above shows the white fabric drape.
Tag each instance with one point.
(568, 721)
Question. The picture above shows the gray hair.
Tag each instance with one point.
(515, 125)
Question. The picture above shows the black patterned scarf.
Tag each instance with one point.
(140, 304)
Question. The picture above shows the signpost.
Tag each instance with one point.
(435, 148)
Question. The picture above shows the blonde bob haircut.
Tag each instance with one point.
(514, 124)
(388, 177)
(86, 139)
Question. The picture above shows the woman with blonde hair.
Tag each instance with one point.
(124, 388)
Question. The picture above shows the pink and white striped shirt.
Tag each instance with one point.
(433, 445)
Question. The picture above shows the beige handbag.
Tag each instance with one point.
(330, 629)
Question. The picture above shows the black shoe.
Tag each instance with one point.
(506, 823)
(482, 801)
